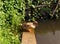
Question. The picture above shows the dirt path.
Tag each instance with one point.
(28, 38)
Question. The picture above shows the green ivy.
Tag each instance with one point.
(11, 16)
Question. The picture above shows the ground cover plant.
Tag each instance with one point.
(11, 15)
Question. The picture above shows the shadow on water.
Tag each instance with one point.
(48, 32)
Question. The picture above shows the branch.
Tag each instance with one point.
(38, 6)
(42, 5)
(55, 8)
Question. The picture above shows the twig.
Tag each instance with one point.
(38, 6)
(55, 8)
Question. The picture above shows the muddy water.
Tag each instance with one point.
(48, 32)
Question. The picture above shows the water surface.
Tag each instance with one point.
(48, 32)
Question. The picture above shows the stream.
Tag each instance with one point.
(48, 32)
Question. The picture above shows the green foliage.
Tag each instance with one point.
(7, 37)
(34, 8)
(11, 16)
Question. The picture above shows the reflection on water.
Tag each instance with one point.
(48, 33)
